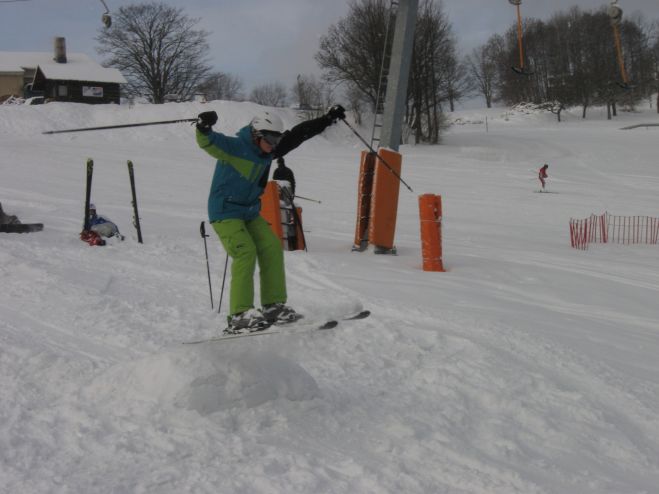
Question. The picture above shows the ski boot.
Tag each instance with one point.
(247, 322)
(280, 314)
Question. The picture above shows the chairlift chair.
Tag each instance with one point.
(105, 18)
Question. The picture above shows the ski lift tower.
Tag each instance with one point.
(379, 175)
(399, 71)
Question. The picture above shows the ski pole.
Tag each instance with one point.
(308, 199)
(136, 215)
(202, 231)
(384, 162)
(224, 277)
(123, 126)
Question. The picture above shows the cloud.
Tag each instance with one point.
(266, 42)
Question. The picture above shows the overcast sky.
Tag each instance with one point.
(264, 40)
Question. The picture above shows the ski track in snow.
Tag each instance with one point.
(527, 367)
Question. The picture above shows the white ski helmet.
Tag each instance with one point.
(267, 122)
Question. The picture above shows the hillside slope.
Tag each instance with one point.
(527, 367)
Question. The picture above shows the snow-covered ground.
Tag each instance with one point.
(527, 367)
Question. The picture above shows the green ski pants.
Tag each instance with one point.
(247, 242)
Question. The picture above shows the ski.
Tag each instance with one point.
(360, 315)
(87, 235)
(88, 193)
(136, 216)
(272, 329)
(21, 227)
(299, 326)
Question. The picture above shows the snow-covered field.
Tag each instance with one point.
(528, 367)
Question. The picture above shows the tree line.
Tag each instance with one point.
(161, 53)
(571, 61)
(356, 48)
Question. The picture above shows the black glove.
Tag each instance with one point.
(337, 112)
(205, 121)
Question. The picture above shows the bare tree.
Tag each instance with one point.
(429, 59)
(483, 67)
(308, 92)
(352, 50)
(455, 82)
(222, 86)
(573, 60)
(270, 94)
(357, 102)
(157, 49)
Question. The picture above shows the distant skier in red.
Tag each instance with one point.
(542, 175)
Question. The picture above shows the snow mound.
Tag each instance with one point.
(205, 378)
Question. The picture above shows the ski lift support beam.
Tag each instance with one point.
(399, 70)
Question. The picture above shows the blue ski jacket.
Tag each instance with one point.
(242, 169)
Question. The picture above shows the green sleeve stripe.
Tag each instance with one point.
(245, 167)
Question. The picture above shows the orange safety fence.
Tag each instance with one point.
(608, 228)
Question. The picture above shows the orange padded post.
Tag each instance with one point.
(364, 188)
(430, 214)
(384, 200)
(270, 209)
(299, 236)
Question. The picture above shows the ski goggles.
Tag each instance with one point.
(271, 137)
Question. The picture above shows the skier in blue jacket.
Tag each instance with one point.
(102, 225)
(241, 174)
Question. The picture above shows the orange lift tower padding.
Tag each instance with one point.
(299, 234)
(430, 214)
(364, 188)
(384, 201)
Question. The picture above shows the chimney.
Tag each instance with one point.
(60, 50)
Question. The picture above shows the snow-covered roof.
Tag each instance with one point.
(11, 61)
(78, 66)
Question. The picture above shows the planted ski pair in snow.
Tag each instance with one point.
(96, 227)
